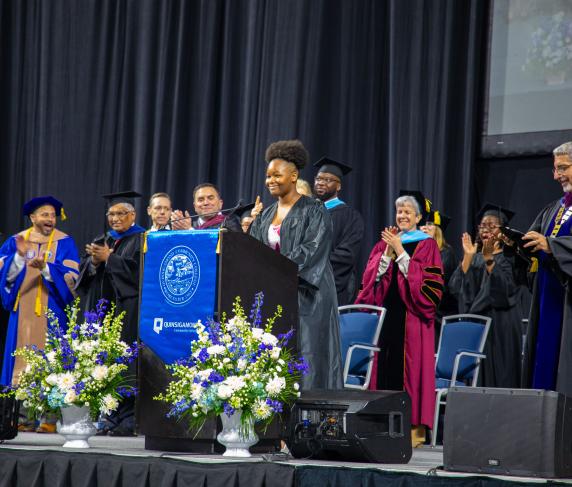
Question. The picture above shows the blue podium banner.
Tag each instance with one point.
(179, 285)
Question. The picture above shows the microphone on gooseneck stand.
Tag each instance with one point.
(229, 211)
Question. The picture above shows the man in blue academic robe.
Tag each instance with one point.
(38, 270)
(548, 351)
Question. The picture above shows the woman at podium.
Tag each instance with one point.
(300, 228)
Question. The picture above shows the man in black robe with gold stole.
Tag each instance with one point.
(348, 228)
(548, 350)
(110, 270)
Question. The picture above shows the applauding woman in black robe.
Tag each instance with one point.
(485, 284)
(300, 228)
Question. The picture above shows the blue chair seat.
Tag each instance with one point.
(355, 380)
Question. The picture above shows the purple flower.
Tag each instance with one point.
(180, 407)
(187, 362)
(228, 409)
(101, 358)
(300, 367)
(276, 406)
(284, 338)
(79, 387)
(127, 391)
(256, 310)
(203, 355)
(213, 330)
(100, 308)
(90, 317)
(215, 377)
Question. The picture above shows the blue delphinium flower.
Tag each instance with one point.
(256, 310)
(79, 387)
(301, 366)
(203, 355)
(228, 409)
(276, 406)
(101, 358)
(180, 407)
(127, 391)
(284, 338)
(215, 377)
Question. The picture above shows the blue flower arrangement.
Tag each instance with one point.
(84, 365)
(236, 365)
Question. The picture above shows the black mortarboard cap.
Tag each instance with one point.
(30, 206)
(424, 203)
(503, 214)
(121, 197)
(439, 218)
(245, 210)
(336, 168)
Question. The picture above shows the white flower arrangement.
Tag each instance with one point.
(83, 366)
(235, 365)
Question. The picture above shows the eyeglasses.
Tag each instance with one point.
(561, 169)
(117, 214)
(489, 226)
(320, 179)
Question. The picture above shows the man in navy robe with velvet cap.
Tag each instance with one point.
(348, 228)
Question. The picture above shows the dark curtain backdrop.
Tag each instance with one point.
(107, 95)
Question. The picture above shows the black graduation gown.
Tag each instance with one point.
(117, 281)
(348, 229)
(559, 263)
(305, 238)
(496, 295)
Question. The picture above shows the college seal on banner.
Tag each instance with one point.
(179, 275)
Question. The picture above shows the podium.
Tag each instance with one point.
(182, 264)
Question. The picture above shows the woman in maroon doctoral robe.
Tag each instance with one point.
(404, 274)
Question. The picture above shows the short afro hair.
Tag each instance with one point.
(292, 151)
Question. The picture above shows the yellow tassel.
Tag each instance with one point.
(63, 214)
(38, 306)
(534, 265)
(16, 303)
(437, 218)
(427, 205)
(218, 244)
(145, 242)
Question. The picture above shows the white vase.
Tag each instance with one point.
(76, 426)
(237, 437)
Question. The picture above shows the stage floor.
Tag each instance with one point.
(425, 460)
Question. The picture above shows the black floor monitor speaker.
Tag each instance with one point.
(363, 426)
(524, 432)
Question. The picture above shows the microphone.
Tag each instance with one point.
(231, 210)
